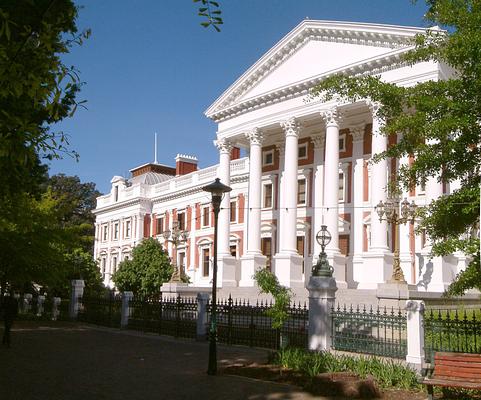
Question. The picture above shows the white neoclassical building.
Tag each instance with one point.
(307, 165)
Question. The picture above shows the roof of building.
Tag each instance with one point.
(150, 178)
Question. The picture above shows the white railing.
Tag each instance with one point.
(239, 166)
(208, 173)
(183, 180)
(162, 187)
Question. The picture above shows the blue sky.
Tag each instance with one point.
(150, 67)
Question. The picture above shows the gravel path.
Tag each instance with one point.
(70, 361)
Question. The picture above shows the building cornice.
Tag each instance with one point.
(121, 204)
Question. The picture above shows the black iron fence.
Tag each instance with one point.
(238, 322)
(101, 310)
(173, 316)
(381, 332)
(452, 330)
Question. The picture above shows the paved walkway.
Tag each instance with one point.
(70, 361)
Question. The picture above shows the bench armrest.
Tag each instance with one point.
(427, 370)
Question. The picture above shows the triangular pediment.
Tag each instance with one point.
(312, 50)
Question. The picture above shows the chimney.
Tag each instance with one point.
(185, 164)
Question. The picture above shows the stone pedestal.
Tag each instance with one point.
(250, 264)
(378, 267)
(202, 301)
(226, 270)
(125, 312)
(322, 295)
(288, 269)
(76, 293)
(415, 333)
(338, 261)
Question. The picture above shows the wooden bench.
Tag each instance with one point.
(457, 370)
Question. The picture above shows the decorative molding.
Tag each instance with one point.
(332, 117)
(223, 145)
(291, 127)
(375, 107)
(357, 132)
(281, 148)
(318, 141)
(255, 137)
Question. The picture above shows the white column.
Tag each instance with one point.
(253, 259)
(125, 310)
(223, 172)
(281, 148)
(436, 274)
(288, 206)
(255, 191)
(378, 260)
(331, 194)
(288, 262)
(357, 133)
(378, 182)
(405, 256)
(318, 191)
(331, 178)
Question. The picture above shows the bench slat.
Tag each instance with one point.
(457, 371)
(459, 364)
(453, 383)
(468, 357)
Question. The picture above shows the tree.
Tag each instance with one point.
(36, 91)
(145, 273)
(440, 122)
(211, 11)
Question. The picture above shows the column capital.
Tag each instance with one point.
(291, 127)
(375, 106)
(281, 148)
(223, 145)
(318, 141)
(332, 116)
(357, 132)
(255, 136)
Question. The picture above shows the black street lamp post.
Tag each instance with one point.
(322, 268)
(217, 189)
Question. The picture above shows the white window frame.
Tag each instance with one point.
(306, 194)
(233, 220)
(342, 137)
(305, 145)
(128, 233)
(203, 225)
(264, 156)
(157, 219)
(105, 232)
(343, 170)
(182, 212)
(264, 184)
(116, 230)
(115, 263)
(201, 250)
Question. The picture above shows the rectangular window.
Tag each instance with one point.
(205, 262)
(302, 151)
(182, 262)
(266, 247)
(301, 191)
(116, 231)
(205, 217)
(268, 195)
(268, 158)
(233, 211)
(341, 186)
(116, 193)
(342, 142)
(105, 233)
(160, 226)
(233, 250)
(181, 221)
(300, 249)
(114, 264)
(128, 229)
(103, 266)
